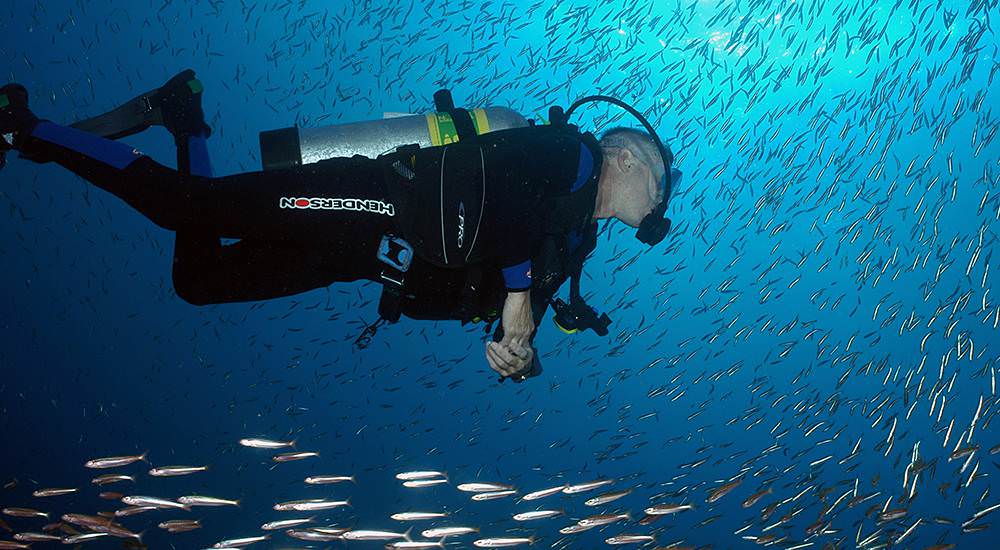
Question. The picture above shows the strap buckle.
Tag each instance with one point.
(397, 254)
(366, 336)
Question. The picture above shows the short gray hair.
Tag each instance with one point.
(639, 143)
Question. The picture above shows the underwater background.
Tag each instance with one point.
(818, 323)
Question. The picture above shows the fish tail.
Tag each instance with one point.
(142, 457)
(406, 534)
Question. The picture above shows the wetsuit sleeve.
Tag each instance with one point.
(518, 242)
(517, 277)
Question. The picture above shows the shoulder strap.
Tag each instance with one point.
(463, 120)
(575, 210)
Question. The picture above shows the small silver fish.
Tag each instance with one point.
(155, 502)
(482, 487)
(24, 513)
(535, 495)
(297, 455)
(417, 516)
(75, 539)
(180, 525)
(111, 478)
(420, 474)
(581, 487)
(665, 509)
(115, 461)
(537, 514)
(312, 535)
(603, 519)
(417, 483)
(493, 495)
(416, 544)
(36, 537)
(575, 528)
(628, 539)
(325, 480)
(198, 500)
(310, 505)
(259, 443)
(606, 498)
(503, 542)
(285, 524)
(41, 493)
(246, 541)
(173, 471)
(133, 510)
(447, 532)
(366, 534)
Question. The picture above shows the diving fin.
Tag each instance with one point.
(182, 92)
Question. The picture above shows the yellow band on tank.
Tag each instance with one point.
(480, 121)
(442, 130)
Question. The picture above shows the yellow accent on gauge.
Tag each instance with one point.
(574, 331)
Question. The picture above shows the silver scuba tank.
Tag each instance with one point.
(288, 147)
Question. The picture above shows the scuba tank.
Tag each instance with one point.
(288, 147)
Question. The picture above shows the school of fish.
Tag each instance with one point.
(807, 361)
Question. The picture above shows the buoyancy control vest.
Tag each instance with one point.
(449, 196)
(443, 195)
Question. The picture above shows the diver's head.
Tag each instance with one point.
(631, 182)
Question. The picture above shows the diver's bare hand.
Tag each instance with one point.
(518, 323)
(514, 353)
(507, 360)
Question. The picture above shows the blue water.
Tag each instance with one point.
(780, 256)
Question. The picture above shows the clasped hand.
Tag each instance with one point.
(514, 353)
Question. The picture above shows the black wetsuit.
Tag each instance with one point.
(313, 225)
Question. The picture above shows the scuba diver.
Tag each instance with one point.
(483, 222)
